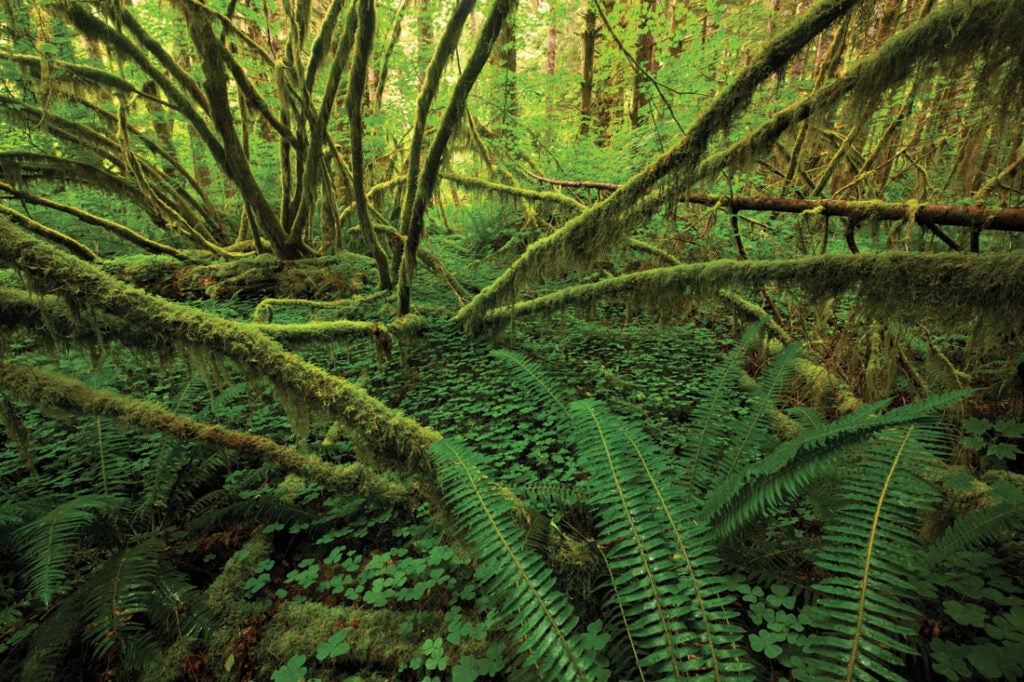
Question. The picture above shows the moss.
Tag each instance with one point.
(607, 224)
(49, 391)
(385, 436)
(952, 290)
(378, 638)
(251, 276)
(234, 615)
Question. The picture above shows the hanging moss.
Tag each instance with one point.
(606, 224)
(951, 290)
(945, 37)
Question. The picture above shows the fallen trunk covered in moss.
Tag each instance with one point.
(46, 391)
(951, 289)
(385, 435)
(337, 329)
(248, 277)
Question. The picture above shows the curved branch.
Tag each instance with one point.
(427, 180)
(117, 229)
(950, 288)
(386, 435)
(48, 391)
(49, 234)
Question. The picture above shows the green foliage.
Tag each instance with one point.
(540, 612)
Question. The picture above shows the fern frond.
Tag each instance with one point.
(675, 604)
(532, 378)
(713, 417)
(117, 600)
(750, 437)
(47, 653)
(872, 555)
(979, 526)
(48, 542)
(524, 587)
(797, 463)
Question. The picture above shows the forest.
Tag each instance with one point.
(369, 340)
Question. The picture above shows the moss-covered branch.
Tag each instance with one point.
(47, 391)
(608, 222)
(428, 176)
(234, 160)
(354, 109)
(340, 329)
(73, 245)
(950, 32)
(110, 226)
(390, 437)
(428, 91)
(951, 289)
(1006, 219)
(510, 190)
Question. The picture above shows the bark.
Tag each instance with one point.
(235, 164)
(587, 84)
(428, 91)
(432, 166)
(644, 61)
(354, 106)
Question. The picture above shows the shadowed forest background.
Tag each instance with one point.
(429, 340)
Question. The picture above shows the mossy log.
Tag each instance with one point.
(48, 391)
(385, 436)
(952, 289)
(1004, 219)
(259, 276)
(334, 330)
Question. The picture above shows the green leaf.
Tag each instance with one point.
(292, 671)
(333, 647)
(965, 613)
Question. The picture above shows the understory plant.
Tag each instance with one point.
(738, 554)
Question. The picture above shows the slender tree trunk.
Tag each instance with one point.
(354, 107)
(644, 60)
(587, 84)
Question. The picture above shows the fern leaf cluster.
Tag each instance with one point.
(663, 522)
(49, 541)
(674, 604)
(533, 606)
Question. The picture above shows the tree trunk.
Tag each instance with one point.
(587, 84)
